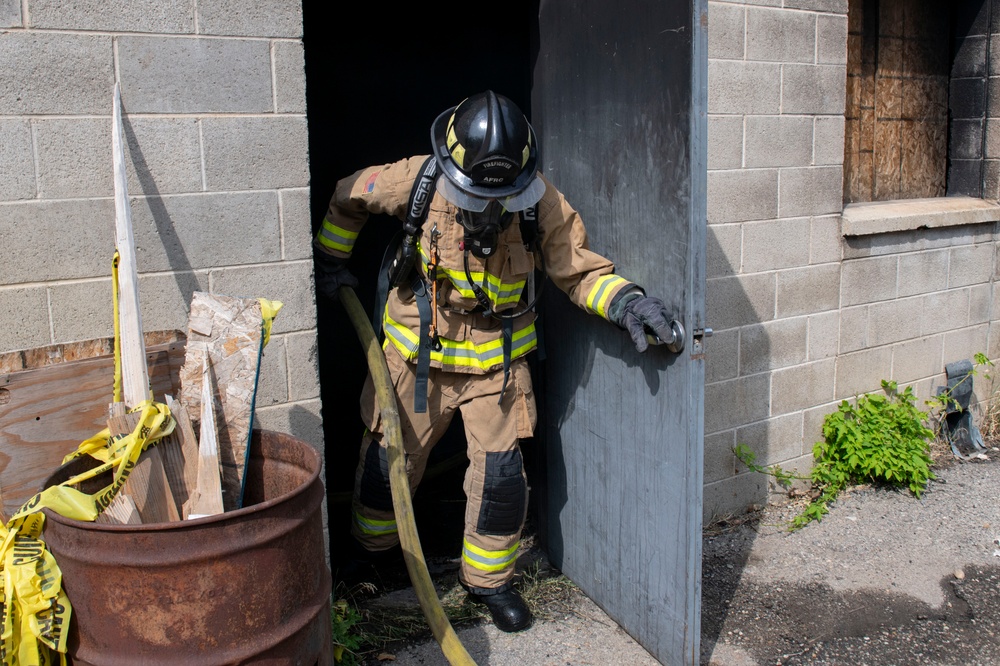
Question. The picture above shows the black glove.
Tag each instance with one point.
(637, 312)
(332, 274)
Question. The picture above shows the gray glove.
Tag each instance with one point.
(636, 312)
(332, 274)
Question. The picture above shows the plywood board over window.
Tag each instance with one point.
(896, 134)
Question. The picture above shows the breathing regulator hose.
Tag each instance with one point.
(409, 540)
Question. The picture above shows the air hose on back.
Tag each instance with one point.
(409, 540)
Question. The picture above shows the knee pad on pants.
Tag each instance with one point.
(505, 494)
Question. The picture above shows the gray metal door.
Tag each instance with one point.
(619, 103)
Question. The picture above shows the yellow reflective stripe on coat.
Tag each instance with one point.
(597, 299)
(500, 293)
(488, 560)
(374, 527)
(337, 238)
(464, 354)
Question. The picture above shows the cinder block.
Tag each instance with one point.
(980, 297)
(802, 386)
(774, 440)
(732, 403)
(171, 16)
(32, 252)
(826, 244)
(55, 73)
(777, 35)
(774, 244)
(894, 321)
(720, 462)
(163, 156)
(723, 247)
(828, 141)
(739, 195)
(272, 387)
(974, 17)
(918, 359)
(862, 372)
(288, 282)
(17, 178)
(868, 280)
(965, 343)
(809, 290)
(824, 338)
(813, 89)
(970, 57)
(763, 3)
(853, 328)
(296, 226)
(811, 191)
(775, 141)
(831, 6)
(831, 39)
(993, 342)
(74, 158)
(923, 272)
(967, 98)
(302, 350)
(166, 298)
(739, 301)
(992, 139)
(722, 355)
(733, 496)
(10, 14)
(744, 87)
(726, 25)
(971, 264)
(944, 311)
(83, 310)
(965, 178)
(774, 344)
(966, 140)
(301, 420)
(725, 142)
(203, 75)
(262, 18)
(256, 153)
(28, 307)
(184, 232)
(289, 77)
(812, 424)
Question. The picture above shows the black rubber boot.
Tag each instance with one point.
(507, 608)
(363, 566)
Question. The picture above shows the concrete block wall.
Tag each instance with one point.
(805, 316)
(213, 93)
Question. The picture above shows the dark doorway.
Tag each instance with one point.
(376, 78)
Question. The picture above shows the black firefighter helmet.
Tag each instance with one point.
(486, 150)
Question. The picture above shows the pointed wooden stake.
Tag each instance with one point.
(207, 497)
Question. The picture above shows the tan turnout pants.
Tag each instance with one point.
(495, 483)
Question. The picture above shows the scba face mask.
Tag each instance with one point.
(485, 219)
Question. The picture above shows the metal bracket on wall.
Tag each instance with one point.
(698, 344)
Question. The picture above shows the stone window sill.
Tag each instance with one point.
(880, 217)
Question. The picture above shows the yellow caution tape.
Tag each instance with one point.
(35, 614)
(269, 310)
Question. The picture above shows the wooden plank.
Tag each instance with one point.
(47, 411)
(207, 499)
(135, 378)
(227, 331)
(180, 456)
(147, 484)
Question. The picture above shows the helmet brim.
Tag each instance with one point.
(439, 142)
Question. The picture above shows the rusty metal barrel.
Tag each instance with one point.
(249, 586)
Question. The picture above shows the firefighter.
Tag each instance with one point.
(458, 326)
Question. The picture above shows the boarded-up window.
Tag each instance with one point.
(896, 133)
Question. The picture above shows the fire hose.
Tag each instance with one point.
(402, 503)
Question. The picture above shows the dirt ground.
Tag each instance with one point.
(884, 580)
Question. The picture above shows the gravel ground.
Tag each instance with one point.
(884, 580)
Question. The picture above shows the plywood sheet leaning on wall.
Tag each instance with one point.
(229, 331)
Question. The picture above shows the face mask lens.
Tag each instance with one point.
(494, 216)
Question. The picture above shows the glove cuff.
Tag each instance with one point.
(616, 311)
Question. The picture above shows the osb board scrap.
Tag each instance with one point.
(228, 332)
(45, 413)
